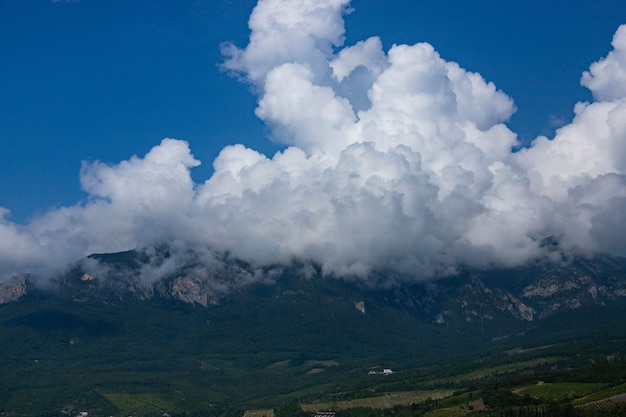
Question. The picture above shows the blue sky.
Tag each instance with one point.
(405, 135)
(106, 79)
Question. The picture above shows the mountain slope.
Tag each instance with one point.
(104, 334)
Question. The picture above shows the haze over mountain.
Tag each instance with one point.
(395, 160)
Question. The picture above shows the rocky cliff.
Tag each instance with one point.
(523, 294)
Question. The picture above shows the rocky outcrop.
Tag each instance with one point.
(573, 288)
(190, 291)
(13, 289)
(526, 294)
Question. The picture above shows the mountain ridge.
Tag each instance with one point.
(526, 293)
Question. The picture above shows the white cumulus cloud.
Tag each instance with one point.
(396, 161)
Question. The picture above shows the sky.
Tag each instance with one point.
(411, 135)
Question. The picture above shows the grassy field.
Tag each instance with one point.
(448, 412)
(601, 395)
(139, 404)
(382, 401)
(259, 413)
(490, 371)
(560, 391)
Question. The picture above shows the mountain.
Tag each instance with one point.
(527, 293)
(144, 331)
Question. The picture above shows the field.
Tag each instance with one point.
(560, 391)
(615, 392)
(383, 401)
(498, 370)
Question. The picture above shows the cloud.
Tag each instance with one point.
(305, 32)
(395, 161)
(607, 78)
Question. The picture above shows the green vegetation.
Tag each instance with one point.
(560, 391)
(296, 353)
(382, 401)
(601, 395)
